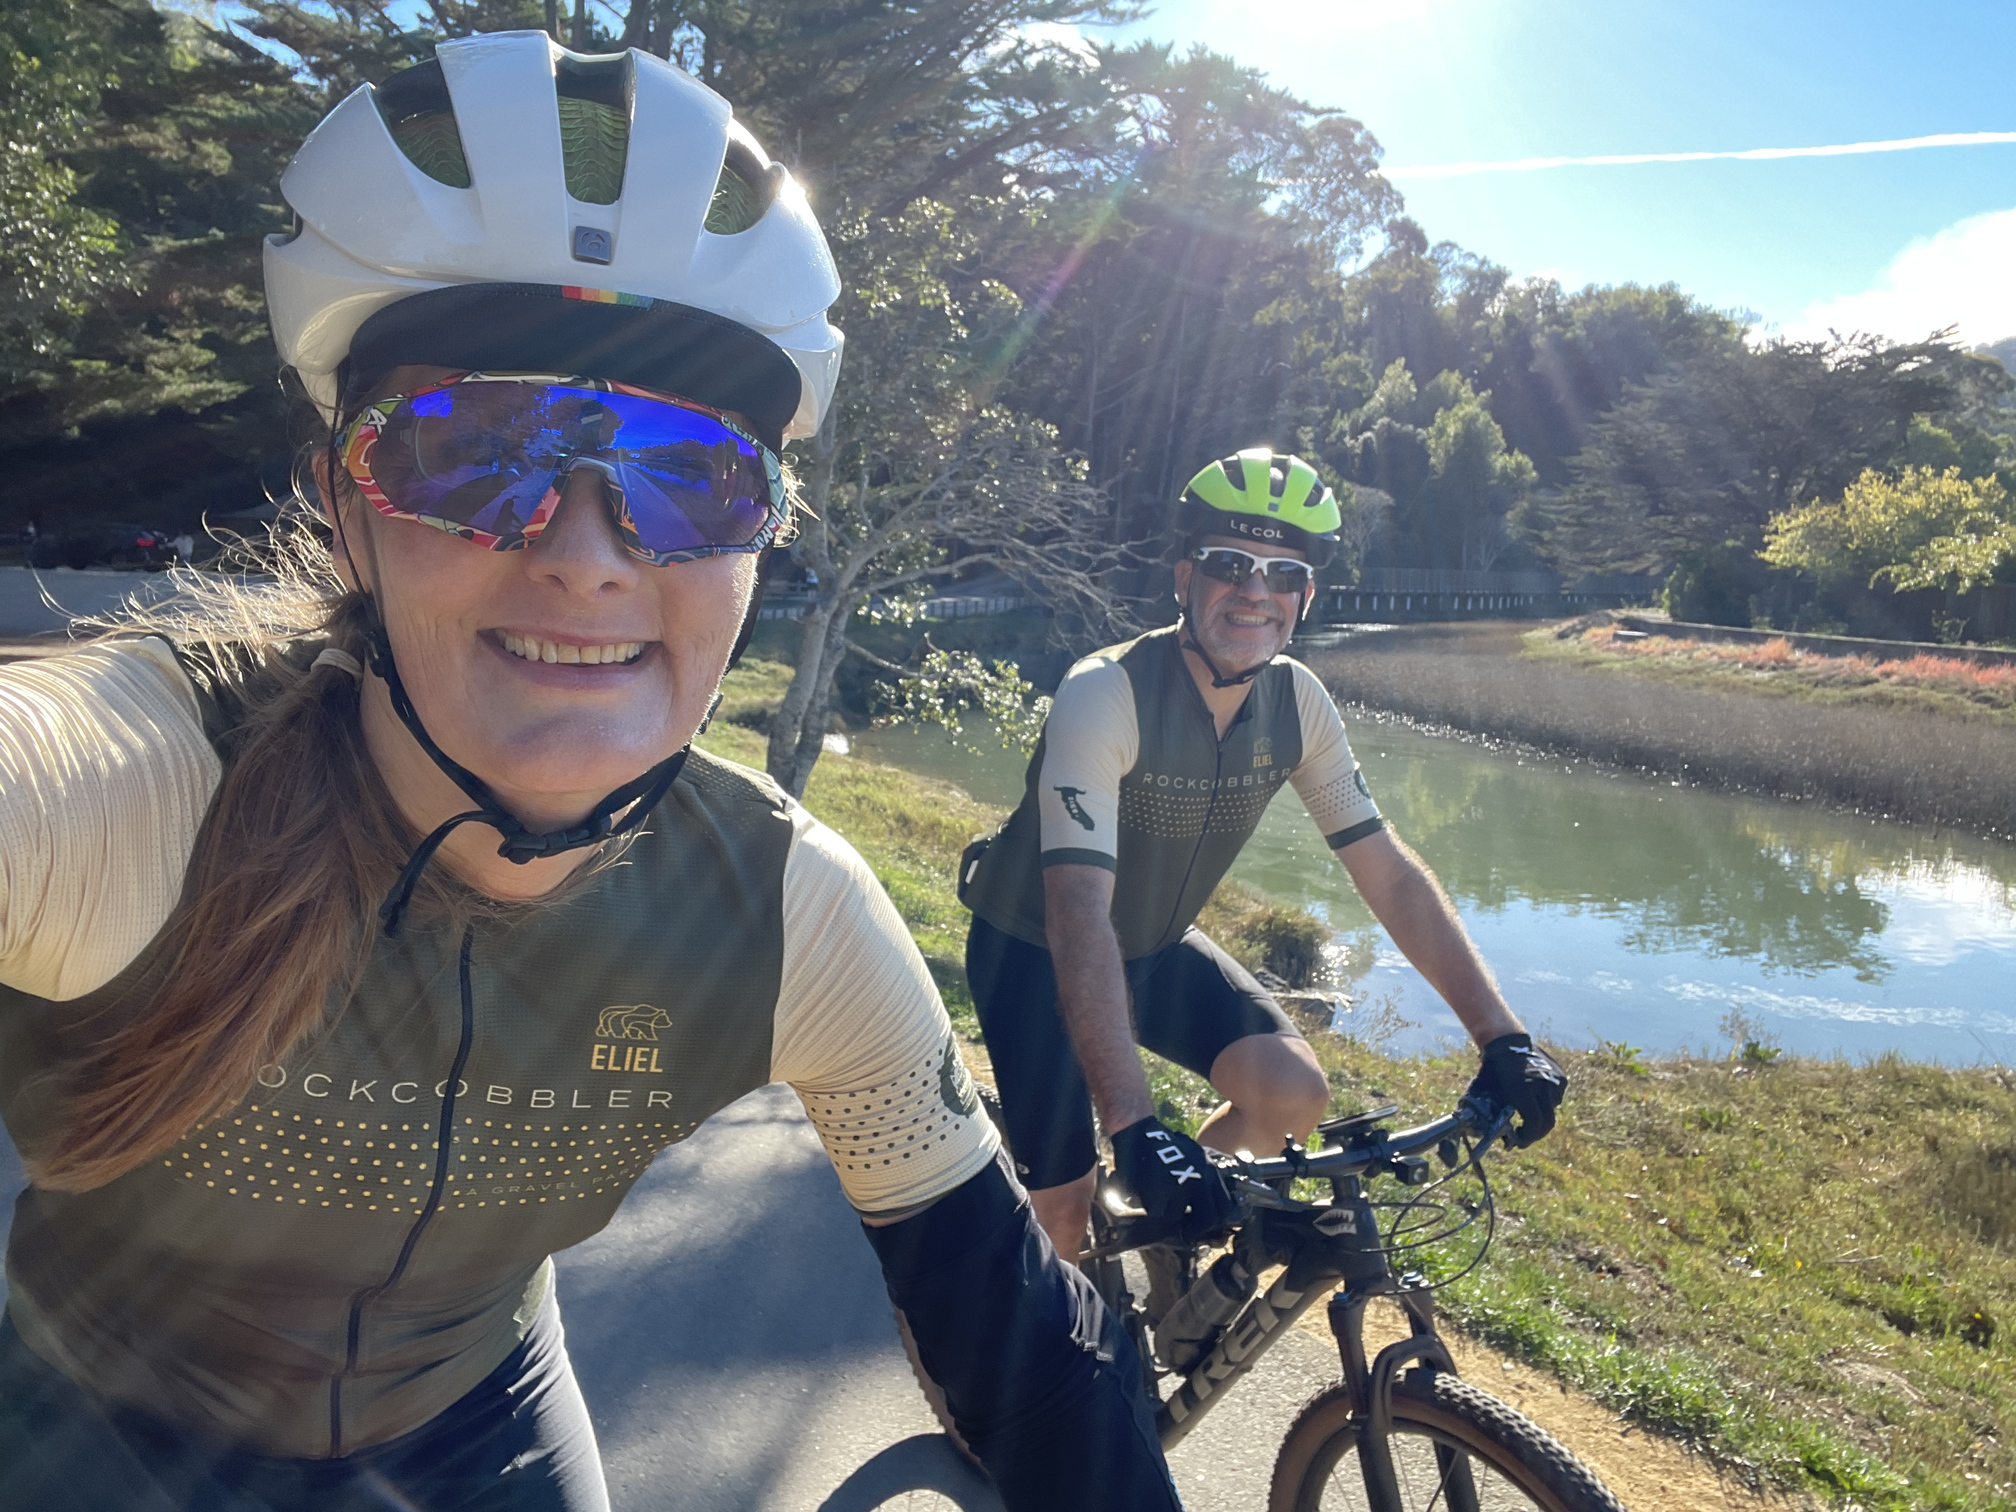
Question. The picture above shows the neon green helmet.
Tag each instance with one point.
(1267, 497)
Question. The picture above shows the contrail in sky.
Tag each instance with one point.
(1750, 155)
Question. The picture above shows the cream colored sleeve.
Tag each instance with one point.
(1328, 779)
(104, 777)
(1090, 741)
(862, 1037)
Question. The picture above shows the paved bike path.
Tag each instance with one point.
(735, 1344)
(25, 596)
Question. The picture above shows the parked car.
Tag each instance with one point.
(101, 544)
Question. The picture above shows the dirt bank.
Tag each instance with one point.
(1474, 678)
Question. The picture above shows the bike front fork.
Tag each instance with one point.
(1371, 1390)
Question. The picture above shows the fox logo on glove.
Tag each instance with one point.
(1168, 1153)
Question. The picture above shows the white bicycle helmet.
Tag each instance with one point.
(512, 205)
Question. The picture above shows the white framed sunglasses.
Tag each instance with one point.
(1231, 566)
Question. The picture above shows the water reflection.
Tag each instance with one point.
(1498, 830)
(1617, 906)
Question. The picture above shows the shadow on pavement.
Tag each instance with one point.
(927, 1462)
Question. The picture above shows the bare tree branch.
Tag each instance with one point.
(879, 662)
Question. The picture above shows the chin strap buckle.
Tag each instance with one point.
(521, 845)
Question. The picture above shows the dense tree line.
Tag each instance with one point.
(143, 150)
(1138, 260)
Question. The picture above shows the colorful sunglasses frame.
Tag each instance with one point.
(359, 441)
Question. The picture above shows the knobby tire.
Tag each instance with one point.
(934, 1394)
(1516, 1465)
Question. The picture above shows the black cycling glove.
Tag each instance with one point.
(1170, 1176)
(1518, 1075)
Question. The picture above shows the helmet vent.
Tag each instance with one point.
(743, 192)
(594, 139)
(417, 111)
(594, 124)
(434, 147)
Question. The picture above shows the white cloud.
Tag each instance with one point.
(1401, 172)
(1959, 276)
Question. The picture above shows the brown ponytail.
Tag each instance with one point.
(278, 911)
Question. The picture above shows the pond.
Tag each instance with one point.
(1627, 909)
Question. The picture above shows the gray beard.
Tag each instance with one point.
(1228, 666)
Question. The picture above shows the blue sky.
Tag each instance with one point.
(1900, 242)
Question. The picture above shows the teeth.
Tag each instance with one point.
(533, 649)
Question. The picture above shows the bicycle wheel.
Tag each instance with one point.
(1455, 1449)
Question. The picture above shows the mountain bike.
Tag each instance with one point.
(1400, 1432)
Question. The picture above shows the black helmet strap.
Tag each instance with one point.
(1218, 679)
(521, 845)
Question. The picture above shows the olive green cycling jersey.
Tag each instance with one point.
(1131, 775)
(365, 1235)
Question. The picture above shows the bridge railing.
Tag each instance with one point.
(1432, 593)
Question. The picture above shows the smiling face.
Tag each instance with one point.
(1237, 627)
(556, 673)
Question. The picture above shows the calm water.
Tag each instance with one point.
(1620, 907)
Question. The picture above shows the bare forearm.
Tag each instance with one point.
(1092, 991)
(1406, 899)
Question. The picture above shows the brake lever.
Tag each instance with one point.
(1481, 1113)
(1133, 1229)
(1250, 1194)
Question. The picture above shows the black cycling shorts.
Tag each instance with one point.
(520, 1441)
(1190, 1001)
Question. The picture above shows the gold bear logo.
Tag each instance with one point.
(634, 1021)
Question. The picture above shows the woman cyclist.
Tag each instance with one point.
(326, 1012)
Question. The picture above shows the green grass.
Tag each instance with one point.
(1804, 1269)
(747, 697)
(1786, 1265)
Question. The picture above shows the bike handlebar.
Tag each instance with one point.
(1250, 1181)
(1380, 1149)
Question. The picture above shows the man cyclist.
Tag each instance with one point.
(1157, 760)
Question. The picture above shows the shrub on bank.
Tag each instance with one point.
(1723, 585)
(1266, 936)
(1988, 686)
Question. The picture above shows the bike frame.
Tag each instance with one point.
(1258, 1326)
